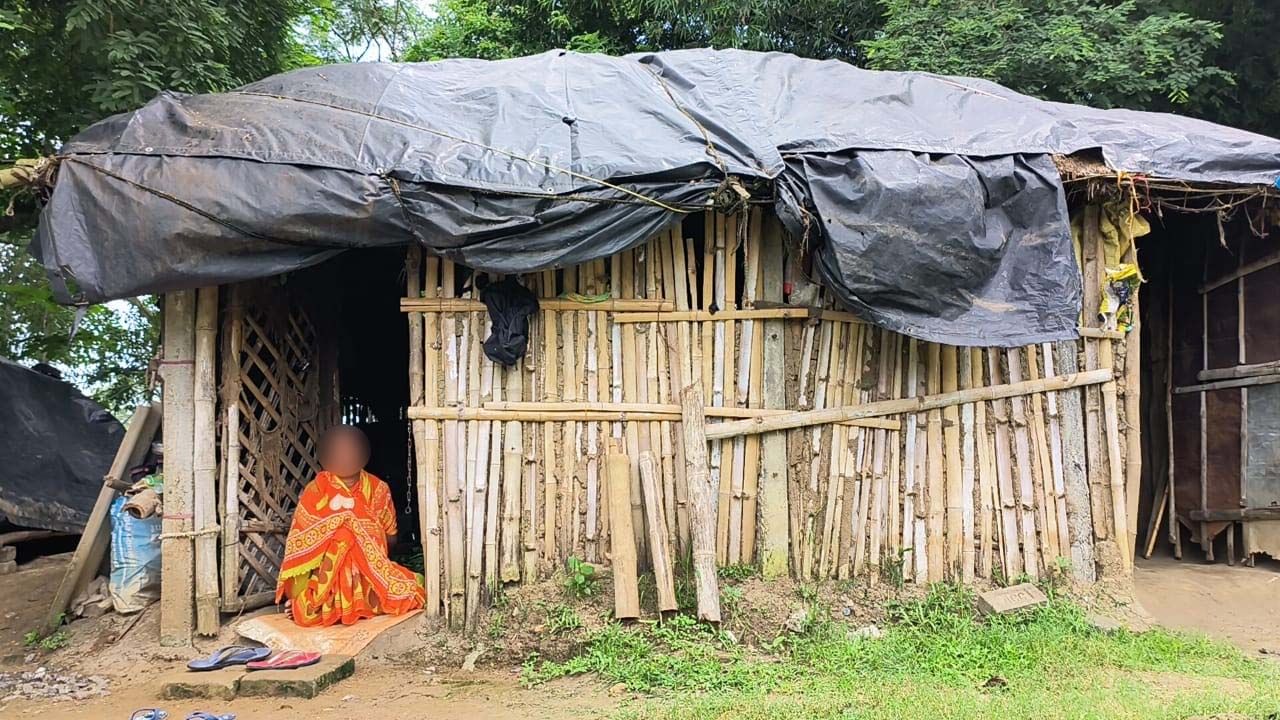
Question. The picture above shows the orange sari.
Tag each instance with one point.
(336, 568)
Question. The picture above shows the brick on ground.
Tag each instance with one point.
(305, 682)
(1011, 599)
(213, 685)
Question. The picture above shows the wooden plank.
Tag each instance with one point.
(1239, 371)
(427, 436)
(782, 313)
(626, 593)
(177, 572)
(96, 538)
(1247, 269)
(623, 410)
(702, 511)
(1227, 384)
(620, 305)
(807, 418)
(204, 462)
(774, 514)
(659, 549)
(1075, 477)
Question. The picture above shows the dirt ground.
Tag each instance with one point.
(416, 672)
(1239, 604)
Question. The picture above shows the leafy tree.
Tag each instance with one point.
(361, 30)
(1096, 53)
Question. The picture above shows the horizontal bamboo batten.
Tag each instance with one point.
(833, 448)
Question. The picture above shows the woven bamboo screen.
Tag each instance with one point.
(510, 462)
(273, 396)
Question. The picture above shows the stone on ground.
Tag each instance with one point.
(1011, 599)
(212, 685)
(305, 682)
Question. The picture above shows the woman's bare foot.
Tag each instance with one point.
(288, 609)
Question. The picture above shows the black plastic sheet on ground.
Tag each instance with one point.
(931, 202)
(55, 449)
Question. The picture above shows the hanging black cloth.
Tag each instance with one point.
(510, 305)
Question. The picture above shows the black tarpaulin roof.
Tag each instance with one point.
(932, 202)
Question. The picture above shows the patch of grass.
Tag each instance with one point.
(738, 573)
(937, 658)
(562, 619)
(54, 641)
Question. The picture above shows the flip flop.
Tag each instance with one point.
(202, 715)
(287, 660)
(149, 714)
(228, 656)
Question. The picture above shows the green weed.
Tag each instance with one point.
(581, 578)
(562, 619)
(54, 641)
(738, 573)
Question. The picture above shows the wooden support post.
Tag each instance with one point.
(702, 512)
(96, 537)
(177, 572)
(1074, 475)
(626, 593)
(204, 462)
(774, 513)
(1115, 453)
(427, 436)
(660, 550)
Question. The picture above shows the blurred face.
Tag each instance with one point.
(344, 452)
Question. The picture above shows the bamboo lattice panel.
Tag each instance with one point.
(271, 388)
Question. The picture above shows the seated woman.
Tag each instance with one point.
(336, 568)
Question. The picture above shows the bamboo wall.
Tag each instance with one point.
(511, 467)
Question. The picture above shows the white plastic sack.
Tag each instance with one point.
(135, 560)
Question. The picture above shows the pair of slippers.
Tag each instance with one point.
(253, 658)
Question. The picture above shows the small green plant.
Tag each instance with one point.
(562, 619)
(892, 570)
(497, 625)
(731, 599)
(55, 641)
(581, 580)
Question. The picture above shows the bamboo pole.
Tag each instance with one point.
(626, 594)
(984, 438)
(631, 307)
(1115, 453)
(935, 489)
(177, 571)
(879, 461)
(567, 518)
(455, 516)
(1133, 407)
(631, 376)
(1046, 499)
(702, 506)
(512, 470)
(231, 501)
(550, 388)
(895, 458)
(204, 462)
(1025, 486)
(595, 321)
(954, 466)
(1095, 444)
(830, 536)
(481, 371)
(658, 547)
(427, 434)
(682, 358)
(1057, 458)
(968, 559)
(670, 376)
(909, 492)
(497, 461)
(793, 419)
(774, 518)
(1013, 565)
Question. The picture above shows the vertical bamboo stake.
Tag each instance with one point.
(1004, 477)
(830, 524)
(755, 399)
(626, 595)
(1026, 482)
(454, 514)
(429, 462)
(669, 376)
(702, 505)
(1133, 404)
(660, 551)
(954, 466)
(1094, 438)
(631, 374)
(651, 387)
(775, 514)
(512, 471)
(895, 460)
(530, 545)
(232, 387)
(481, 370)
(1075, 479)
(594, 321)
(937, 461)
(569, 451)
(909, 493)
(967, 557)
(923, 448)
(1115, 453)
(204, 462)
(684, 361)
(550, 390)
(1046, 499)
(986, 471)
(497, 461)
(879, 459)
(1056, 458)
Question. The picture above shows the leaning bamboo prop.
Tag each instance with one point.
(702, 505)
(659, 548)
(968, 560)
(204, 462)
(626, 594)
(1025, 486)
(454, 516)
(955, 466)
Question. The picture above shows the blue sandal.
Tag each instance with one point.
(228, 656)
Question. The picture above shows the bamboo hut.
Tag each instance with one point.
(703, 397)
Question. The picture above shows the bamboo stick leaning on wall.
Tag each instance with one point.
(657, 524)
(1057, 457)
(910, 495)
(453, 459)
(935, 489)
(1075, 477)
(626, 594)
(967, 459)
(955, 537)
(204, 462)
(177, 571)
(1005, 483)
(701, 506)
(984, 439)
(1046, 500)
